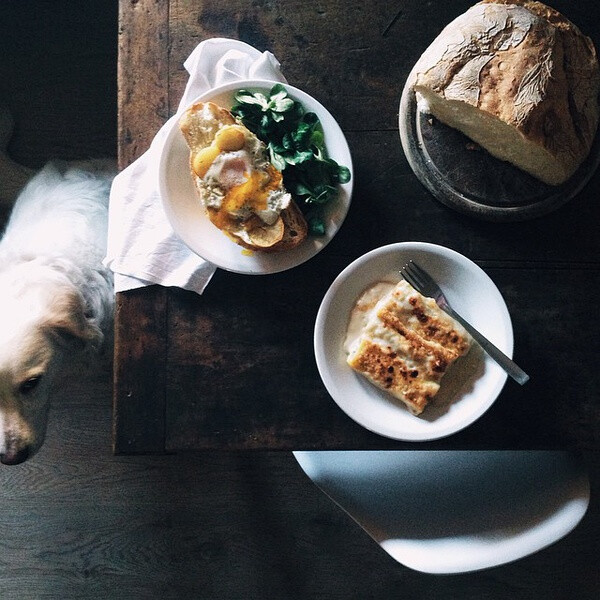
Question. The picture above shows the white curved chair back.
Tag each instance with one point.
(455, 511)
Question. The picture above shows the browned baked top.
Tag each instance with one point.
(407, 345)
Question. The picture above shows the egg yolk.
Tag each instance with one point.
(252, 194)
(228, 139)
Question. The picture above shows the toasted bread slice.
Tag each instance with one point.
(199, 130)
(212, 133)
(259, 235)
(294, 228)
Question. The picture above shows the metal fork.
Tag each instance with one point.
(425, 285)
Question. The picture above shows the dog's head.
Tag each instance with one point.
(42, 318)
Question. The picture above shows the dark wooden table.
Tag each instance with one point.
(197, 372)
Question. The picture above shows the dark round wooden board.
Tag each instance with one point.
(465, 177)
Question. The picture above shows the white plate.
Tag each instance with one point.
(189, 221)
(456, 511)
(470, 385)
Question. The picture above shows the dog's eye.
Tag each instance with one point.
(29, 384)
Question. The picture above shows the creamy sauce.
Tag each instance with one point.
(362, 309)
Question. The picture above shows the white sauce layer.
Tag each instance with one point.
(362, 309)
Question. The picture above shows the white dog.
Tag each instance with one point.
(55, 294)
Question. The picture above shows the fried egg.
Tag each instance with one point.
(236, 182)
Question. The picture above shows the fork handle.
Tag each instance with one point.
(506, 363)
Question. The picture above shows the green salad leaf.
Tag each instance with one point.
(296, 146)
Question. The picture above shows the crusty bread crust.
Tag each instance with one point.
(519, 79)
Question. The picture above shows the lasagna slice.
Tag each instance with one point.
(406, 346)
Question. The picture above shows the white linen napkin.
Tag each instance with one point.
(142, 247)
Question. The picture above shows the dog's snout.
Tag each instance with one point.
(15, 457)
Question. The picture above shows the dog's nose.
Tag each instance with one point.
(15, 457)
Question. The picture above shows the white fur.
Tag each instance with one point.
(55, 294)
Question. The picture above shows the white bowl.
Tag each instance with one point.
(187, 216)
(470, 385)
(454, 512)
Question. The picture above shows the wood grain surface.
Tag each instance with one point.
(79, 523)
(142, 75)
(140, 327)
(239, 370)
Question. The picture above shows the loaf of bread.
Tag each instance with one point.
(520, 80)
(241, 191)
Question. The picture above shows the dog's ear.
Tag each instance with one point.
(67, 319)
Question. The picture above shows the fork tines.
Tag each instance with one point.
(416, 277)
(407, 274)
